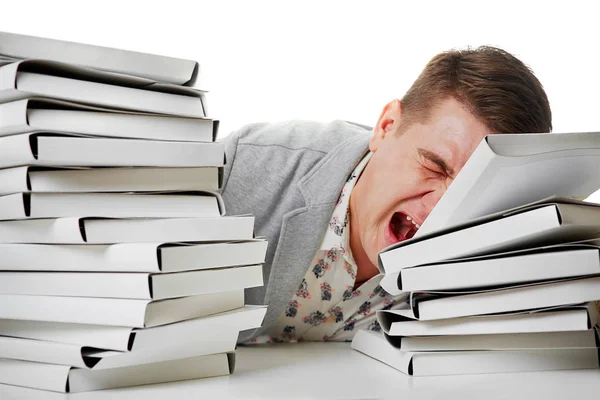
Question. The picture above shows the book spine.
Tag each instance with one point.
(16, 150)
(156, 67)
(8, 78)
(84, 310)
(13, 117)
(14, 180)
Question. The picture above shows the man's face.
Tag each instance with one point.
(408, 173)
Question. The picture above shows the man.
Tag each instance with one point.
(330, 197)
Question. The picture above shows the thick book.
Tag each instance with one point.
(173, 70)
(46, 115)
(118, 312)
(110, 205)
(547, 222)
(60, 81)
(376, 346)
(560, 319)
(513, 341)
(124, 230)
(131, 257)
(65, 379)
(109, 180)
(137, 339)
(89, 358)
(125, 339)
(509, 170)
(128, 285)
(538, 264)
(68, 150)
(442, 305)
(201, 336)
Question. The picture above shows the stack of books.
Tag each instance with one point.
(500, 277)
(117, 264)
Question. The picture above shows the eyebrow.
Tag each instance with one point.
(437, 160)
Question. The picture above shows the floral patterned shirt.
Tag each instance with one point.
(326, 306)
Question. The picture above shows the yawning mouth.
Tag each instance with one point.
(403, 227)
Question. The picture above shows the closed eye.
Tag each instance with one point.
(441, 167)
(435, 172)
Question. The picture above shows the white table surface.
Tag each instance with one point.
(334, 371)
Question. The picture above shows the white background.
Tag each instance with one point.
(324, 60)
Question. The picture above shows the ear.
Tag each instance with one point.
(388, 122)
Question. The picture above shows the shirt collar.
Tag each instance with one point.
(337, 234)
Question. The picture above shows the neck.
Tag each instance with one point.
(365, 268)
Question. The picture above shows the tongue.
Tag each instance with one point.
(403, 232)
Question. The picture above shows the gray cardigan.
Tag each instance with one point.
(289, 176)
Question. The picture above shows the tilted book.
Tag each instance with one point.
(173, 70)
(131, 285)
(125, 339)
(131, 257)
(123, 230)
(558, 319)
(94, 359)
(196, 337)
(500, 269)
(442, 305)
(376, 346)
(110, 205)
(549, 221)
(508, 170)
(39, 78)
(61, 378)
(47, 115)
(506, 341)
(119, 312)
(78, 179)
(61, 150)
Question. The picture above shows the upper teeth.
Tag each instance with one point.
(414, 223)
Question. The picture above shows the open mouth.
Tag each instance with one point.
(403, 226)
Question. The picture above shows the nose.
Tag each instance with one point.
(430, 199)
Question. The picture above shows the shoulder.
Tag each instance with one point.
(265, 162)
(303, 136)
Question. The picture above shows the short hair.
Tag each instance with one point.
(491, 83)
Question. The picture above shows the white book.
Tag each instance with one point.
(47, 115)
(508, 170)
(119, 312)
(137, 339)
(65, 379)
(560, 319)
(59, 81)
(512, 341)
(202, 336)
(110, 205)
(105, 231)
(547, 222)
(127, 285)
(442, 305)
(152, 66)
(108, 180)
(68, 150)
(538, 264)
(88, 358)
(131, 257)
(376, 346)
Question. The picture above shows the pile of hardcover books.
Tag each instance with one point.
(117, 264)
(495, 280)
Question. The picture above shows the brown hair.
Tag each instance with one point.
(491, 83)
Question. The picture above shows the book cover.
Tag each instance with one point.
(173, 70)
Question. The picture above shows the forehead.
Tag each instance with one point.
(451, 132)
